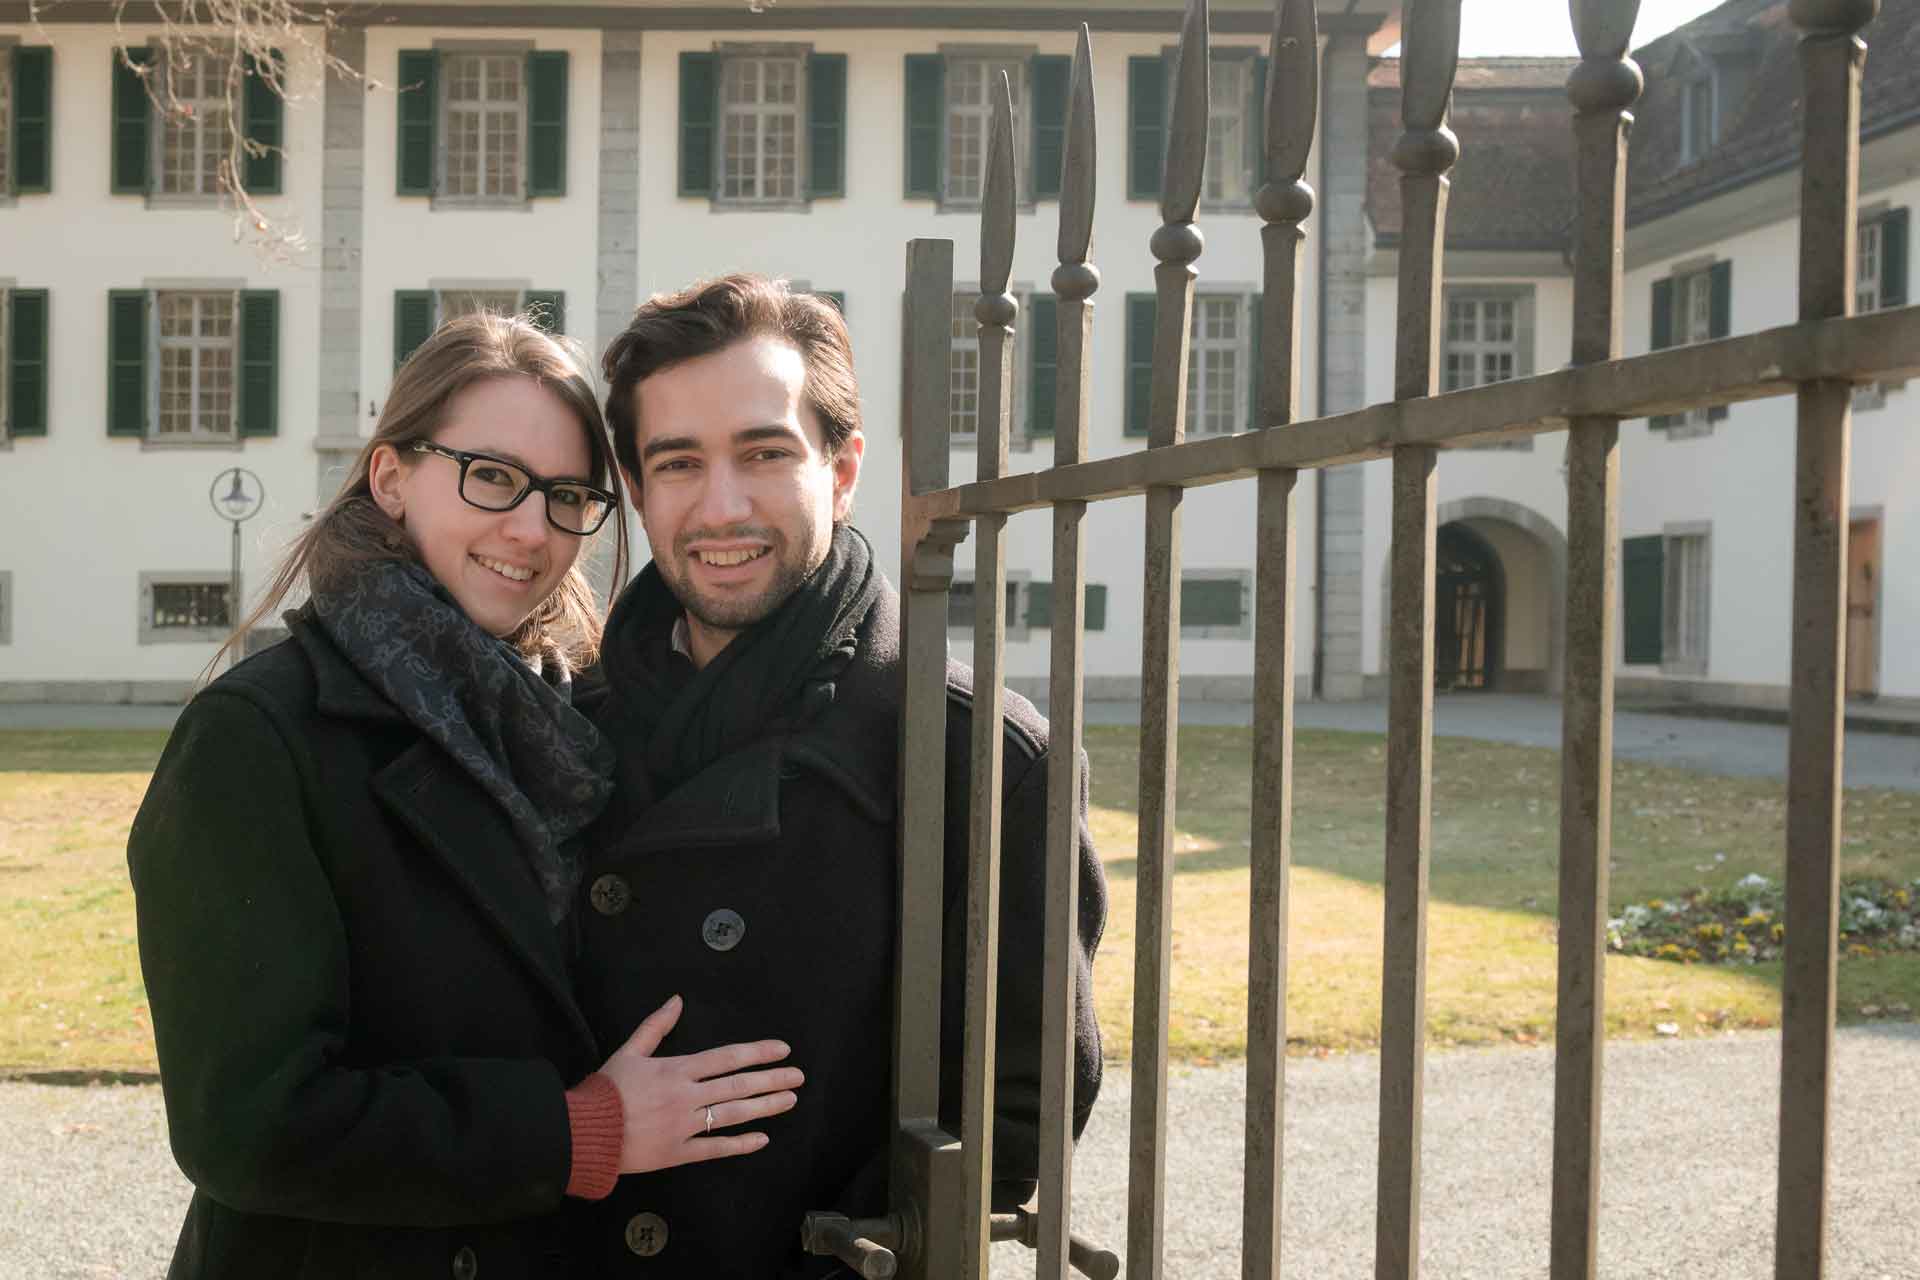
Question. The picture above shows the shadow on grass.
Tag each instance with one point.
(80, 1078)
(80, 751)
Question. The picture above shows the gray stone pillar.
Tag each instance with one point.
(342, 212)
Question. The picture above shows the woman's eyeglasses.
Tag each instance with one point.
(494, 484)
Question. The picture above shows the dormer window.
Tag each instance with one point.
(1699, 118)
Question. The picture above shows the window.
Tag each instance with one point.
(192, 142)
(6, 354)
(760, 129)
(6, 124)
(1699, 119)
(482, 126)
(1230, 93)
(1216, 365)
(418, 312)
(1685, 599)
(192, 366)
(971, 82)
(1216, 604)
(486, 124)
(185, 608)
(964, 368)
(195, 359)
(949, 119)
(23, 362)
(960, 607)
(1694, 304)
(1880, 281)
(1488, 338)
(1236, 92)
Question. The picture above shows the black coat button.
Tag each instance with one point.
(610, 895)
(465, 1265)
(723, 929)
(646, 1234)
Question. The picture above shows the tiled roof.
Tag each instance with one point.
(1513, 186)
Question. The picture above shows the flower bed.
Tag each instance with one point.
(1747, 922)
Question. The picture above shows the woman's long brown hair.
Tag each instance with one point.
(353, 531)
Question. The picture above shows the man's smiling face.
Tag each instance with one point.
(736, 490)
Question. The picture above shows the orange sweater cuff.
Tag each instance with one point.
(598, 1123)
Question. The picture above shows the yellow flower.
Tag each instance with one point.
(1692, 954)
(1710, 932)
(1901, 898)
(1668, 951)
(1779, 932)
(1655, 905)
(1758, 917)
(1741, 945)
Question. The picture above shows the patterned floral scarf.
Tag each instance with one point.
(509, 723)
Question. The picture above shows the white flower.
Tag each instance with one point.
(1753, 881)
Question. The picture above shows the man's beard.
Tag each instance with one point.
(732, 613)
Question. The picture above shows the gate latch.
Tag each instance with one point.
(865, 1244)
(1090, 1261)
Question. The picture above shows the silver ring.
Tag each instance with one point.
(709, 1119)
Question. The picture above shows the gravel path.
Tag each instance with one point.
(1689, 1147)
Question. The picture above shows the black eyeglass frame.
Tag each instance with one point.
(535, 483)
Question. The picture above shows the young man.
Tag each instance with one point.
(748, 861)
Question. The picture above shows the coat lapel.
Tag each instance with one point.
(461, 825)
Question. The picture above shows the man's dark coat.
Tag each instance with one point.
(363, 1016)
(763, 891)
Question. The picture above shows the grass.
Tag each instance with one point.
(71, 998)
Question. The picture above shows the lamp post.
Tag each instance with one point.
(241, 500)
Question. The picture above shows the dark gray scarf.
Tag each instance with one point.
(508, 723)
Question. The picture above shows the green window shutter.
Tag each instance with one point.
(127, 362)
(1039, 604)
(32, 148)
(926, 117)
(264, 113)
(1050, 75)
(1140, 314)
(547, 308)
(699, 120)
(1096, 606)
(1721, 320)
(837, 297)
(412, 321)
(547, 122)
(131, 114)
(1210, 602)
(1642, 584)
(1893, 258)
(826, 125)
(1661, 336)
(1257, 129)
(419, 111)
(1255, 304)
(27, 363)
(1146, 125)
(259, 362)
(1043, 362)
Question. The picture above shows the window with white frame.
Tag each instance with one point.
(760, 118)
(195, 345)
(1217, 365)
(1685, 605)
(970, 81)
(457, 304)
(193, 141)
(1216, 604)
(485, 106)
(964, 369)
(1487, 338)
(1692, 322)
(960, 606)
(1868, 266)
(185, 607)
(1699, 118)
(1230, 94)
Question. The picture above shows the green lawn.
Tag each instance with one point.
(71, 998)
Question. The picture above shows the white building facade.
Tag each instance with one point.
(574, 160)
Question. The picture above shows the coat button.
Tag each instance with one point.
(465, 1265)
(610, 895)
(723, 930)
(646, 1234)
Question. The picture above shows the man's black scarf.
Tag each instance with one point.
(508, 723)
(777, 674)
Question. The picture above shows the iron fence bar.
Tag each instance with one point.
(923, 1178)
(1880, 346)
(1074, 282)
(1177, 244)
(1602, 89)
(1283, 202)
(1833, 57)
(995, 312)
(1425, 151)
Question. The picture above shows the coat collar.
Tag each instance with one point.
(340, 690)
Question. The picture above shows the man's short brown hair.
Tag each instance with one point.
(714, 314)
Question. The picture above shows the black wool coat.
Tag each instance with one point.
(763, 890)
(362, 1013)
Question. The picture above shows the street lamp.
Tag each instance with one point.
(243, 497)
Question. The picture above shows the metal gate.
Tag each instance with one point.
(940, 1226)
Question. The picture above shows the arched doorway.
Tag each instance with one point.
(1467, 610)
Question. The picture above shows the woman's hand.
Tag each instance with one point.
(666, 1101)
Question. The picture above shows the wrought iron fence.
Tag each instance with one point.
(941, 1226)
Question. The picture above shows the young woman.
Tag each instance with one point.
(354, 867)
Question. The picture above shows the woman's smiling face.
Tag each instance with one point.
(499, 565)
